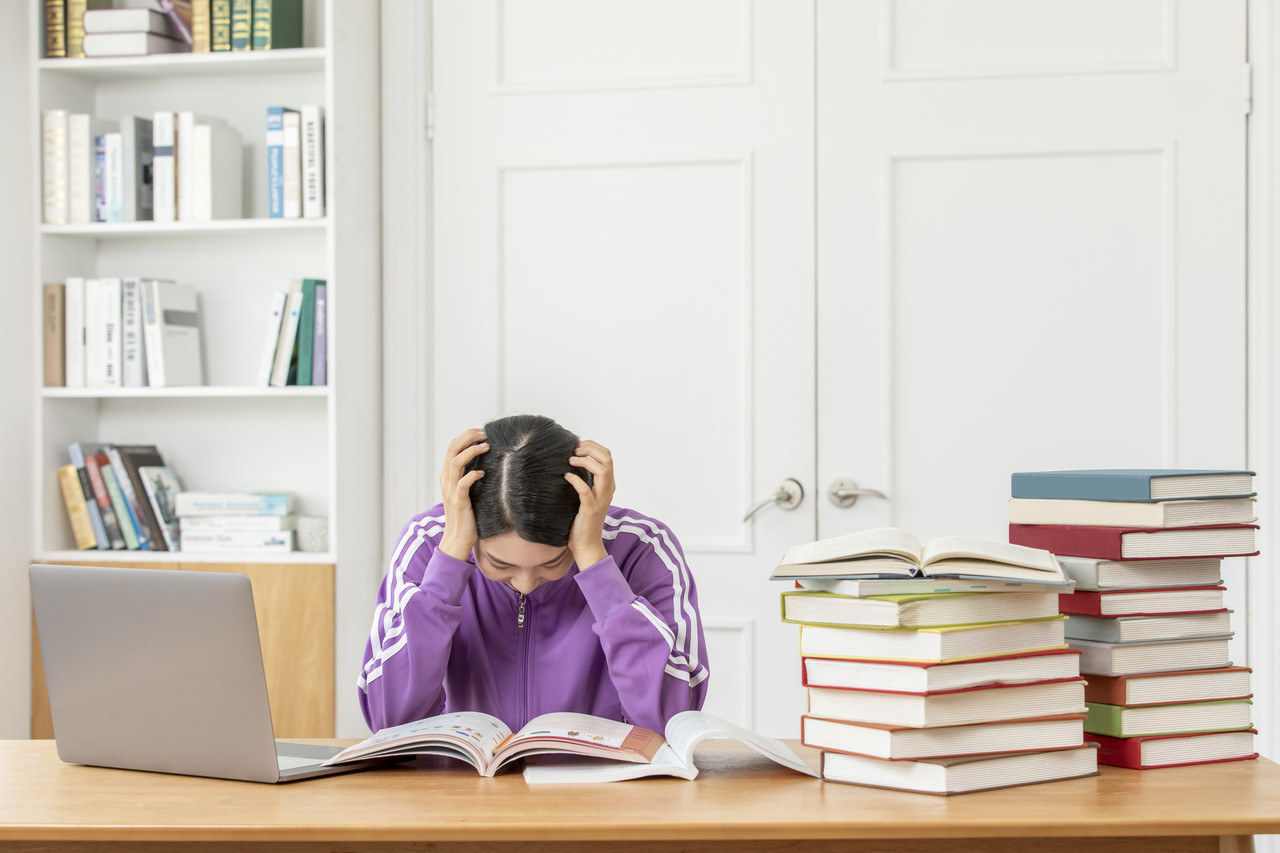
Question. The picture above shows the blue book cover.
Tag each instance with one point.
(1133, 484)
(275, 161)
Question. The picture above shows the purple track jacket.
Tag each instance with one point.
(622, 640)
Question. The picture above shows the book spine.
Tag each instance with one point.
(237, 540)
(55, 345)
(291, 165)
(1107, 689)
(77, 511)
(95, 320)
(75, 27)
(181, 24)
(112, 347)
(100, 178)
(257, 523)
(164, 174)
(80, 163)
(320, 349)
(196, 177)
(1076, 486)
(277, 24)
(54, 150)
(136, 157)
(114, 181)
(1118, 751)
(112, 525)
(151, 336)
(241, 24)
(201, 27)
(275, 162)
(134, 354)
(149, 536)
(1102, 543)
(128, 524)
(55, 29)
(185, 165)
(73, 332)
(216, 503)
(312, 161)
(267, 359)
(91, 503)
(219, 25)
(285, 348)
(306, 330)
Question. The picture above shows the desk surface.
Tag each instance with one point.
(738, 795)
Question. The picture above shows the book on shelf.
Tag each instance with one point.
(171, 330)
(164, 172)
(54, 164)
(130, 20)
(242, 541)
(275, 161)
(136, 155)
(244, 523)
(113, 177)
(201, 27)
(213, 174)
(897, 743)
(962, 774)
(161, 484)
(182, 14)
(624, 751)
(77, 511)
(129, 459)
(133, 352)
(932, 645)
(1092, 575)
(1145, 753)
(913, 611)
(1138, 543)
(988, 704)
(73, 360)
(1101, 658)
(130, 44)
(55, 29)
(275, 313)
(277, 24)
(103, 351)
(74, 16)
(286, 344)
(320, 347)
(891, 551)
(100, 178)
(910, 677)
(1177, 719)
(84, 458)
(219, 25)
(291, 163)
(185, 122)
(76, 455)
(312, 117)
(1138, 629)
(868, 587)
(1132, 513)
(1147, 602)
(54, 317)
(241, 24)
(129, 526)
(1133, 484)
(232, 503)
(306, 331)
(1166, 688)
(82, 130)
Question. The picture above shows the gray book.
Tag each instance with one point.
(137, 155)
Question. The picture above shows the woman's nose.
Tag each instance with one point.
(524, 583)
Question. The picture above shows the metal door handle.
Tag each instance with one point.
(845, 493)
(788, 495)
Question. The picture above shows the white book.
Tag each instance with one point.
(113, 177)
(312, 161)
(232, 503)
(73, 337)
(163, 169)
(130, 44)
(184, 140)
(102, 332)
(271, 339)
(82, 129)
(54, 151)
(210, 176)
(265, 541)
(137, 155)
(288, 334)
(134, 372)
(258, 523)
(292, 163)
(128, 21)
(171, 333)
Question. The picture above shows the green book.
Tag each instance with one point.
(277, 24)
(1174, 719)
(219, 25)
(121, 508)
(241, 24)
(307, 330)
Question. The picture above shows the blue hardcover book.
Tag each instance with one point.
(1133, 484)
(275, 161)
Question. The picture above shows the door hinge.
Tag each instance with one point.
(431, 116)
(1248, 89)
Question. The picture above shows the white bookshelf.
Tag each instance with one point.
(322, 443)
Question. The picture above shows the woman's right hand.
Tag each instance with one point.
(460, 533)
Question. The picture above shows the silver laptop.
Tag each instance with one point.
(157, 669)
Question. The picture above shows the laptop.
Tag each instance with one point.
(161, 670)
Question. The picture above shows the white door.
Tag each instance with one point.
(1031, 220)
(624, 241)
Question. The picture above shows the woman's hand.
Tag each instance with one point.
(586, 539)
(455, 487)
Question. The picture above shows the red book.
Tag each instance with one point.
(1144, 753)
(1138, 543)
(1143, 602)
(1165, 688)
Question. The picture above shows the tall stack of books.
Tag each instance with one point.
(938, 668)
(241, 522)
(1145, 548)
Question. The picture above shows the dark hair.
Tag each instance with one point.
(523, 488)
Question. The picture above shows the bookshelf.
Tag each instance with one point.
(321, 443)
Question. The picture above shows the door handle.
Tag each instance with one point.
(788, 495)
(845, 493)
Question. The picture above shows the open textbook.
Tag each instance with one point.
(675, 758)
(893, 552)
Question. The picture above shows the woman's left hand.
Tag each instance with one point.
(586, 539)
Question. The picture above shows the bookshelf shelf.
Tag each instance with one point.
(142, 558)
(294, 61)
(192, 392)
(125, 230)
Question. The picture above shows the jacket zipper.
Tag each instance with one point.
(520, 612)
(525, 641)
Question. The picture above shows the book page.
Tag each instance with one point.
(471, 732)
(968, 547)
(880, 541)
(582, 734)
(686, 729)
(561, 768)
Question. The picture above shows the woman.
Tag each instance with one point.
(525, 592)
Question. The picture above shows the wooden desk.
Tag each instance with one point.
(740, 802)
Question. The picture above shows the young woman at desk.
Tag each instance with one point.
(576, 605)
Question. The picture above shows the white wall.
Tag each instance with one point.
(18, 350)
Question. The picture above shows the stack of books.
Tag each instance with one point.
(245, 523)
(939, 668)
(136, 31)
(1145, 548)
